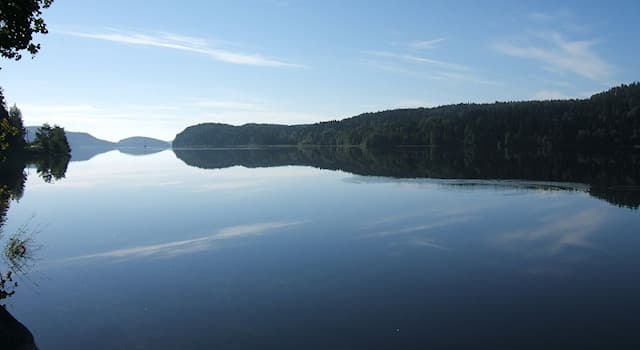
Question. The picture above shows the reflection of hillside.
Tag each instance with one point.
(80, 154)
(137, 151)
(86, 153)
(612, 177)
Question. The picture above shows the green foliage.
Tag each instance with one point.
(16, 138)
(11, 130)
(19, 21)
(610, 119)
(51, 140)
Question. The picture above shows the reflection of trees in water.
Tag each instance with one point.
(18, 248)
(612, 175)
(52, 168)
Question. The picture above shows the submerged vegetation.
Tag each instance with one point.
(608, 119)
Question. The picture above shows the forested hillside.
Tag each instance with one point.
(608, 119)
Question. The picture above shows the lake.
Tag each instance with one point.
(331, 249)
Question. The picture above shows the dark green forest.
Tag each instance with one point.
(608, 119)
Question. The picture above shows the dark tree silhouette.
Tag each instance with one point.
(11, 130)
(19, 21)
(51, 141)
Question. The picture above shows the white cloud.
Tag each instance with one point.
(423, 67)
(437, 74)
(559, 54)
(548, 16)
(230, 105)
(413, 103)
(550, 95)
(420, 59)
(426, 44)
(184, 43)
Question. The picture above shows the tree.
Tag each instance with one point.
(19, 21)
(59, 143)
(7, 131)
(51, 141)
(42, 141)
(15, 120)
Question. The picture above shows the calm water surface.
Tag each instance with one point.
(147, 252)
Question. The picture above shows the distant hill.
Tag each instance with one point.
(140, 142)
(608, 119)
(76, 139)
(85, 146)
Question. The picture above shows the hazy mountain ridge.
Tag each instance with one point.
(75, 139)
(85, 146)
(143, 142)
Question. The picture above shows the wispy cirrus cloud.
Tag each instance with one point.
(557, 53)
(431, 74)
(231, 105)
(184, 43)
(419, 59)
(548, 16)
(550, 95)
(426, 44)
(420, 66)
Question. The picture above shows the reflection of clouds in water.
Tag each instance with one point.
(171, 249)
(391, 219)
(423, 242)
(228, 185)
(431, 214)
(443, 222)
(419, 229)
(558, 233)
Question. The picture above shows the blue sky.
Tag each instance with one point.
(121, 68)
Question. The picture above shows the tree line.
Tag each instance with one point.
(607, 119)
(50, 141)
